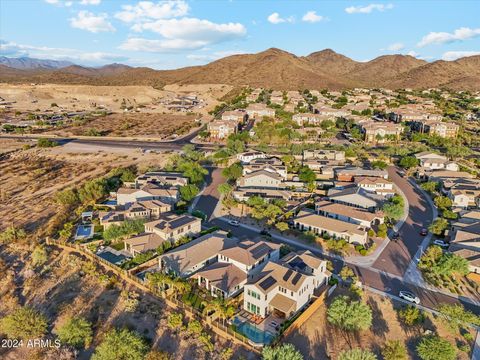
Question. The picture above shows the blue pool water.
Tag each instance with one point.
(111, 202)
(253, 333)
(111, 257)
(84, 231)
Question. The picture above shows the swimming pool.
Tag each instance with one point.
(113, 258)
(84, 232)
(253, 333)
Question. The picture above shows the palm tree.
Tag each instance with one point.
(180, 286)
(224, 309)
(159, 280)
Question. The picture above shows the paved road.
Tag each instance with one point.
(174, 145)
(396, 257)
(387, 272)
(209, 198)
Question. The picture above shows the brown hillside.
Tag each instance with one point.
(277, 69)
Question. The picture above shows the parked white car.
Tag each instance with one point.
(406, 295)
(234, 223)
(441, 243)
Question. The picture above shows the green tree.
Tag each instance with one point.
(349, 315)
(438, 226)
(125, 229)
(24, 323)
(188, 192)
(92, 191)
(39, 256)
(442, 202)
(379, 164)
(12, 234)
(233, 172)
(408, 162)
(76, 332)
(306, 175)
(121, 345)
(434, 347)
(449, 214)
(282, 226)
(394, 350)
(411, 315)
(46, 143)
(67, 197)
(194, 327)
(175, 321)
(281, 352)
(357, 354)
(392, 210)
(225, 189)
(456, 317)
(430, 186)
(382, 231)
(347, 273)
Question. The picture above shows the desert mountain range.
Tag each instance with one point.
(276, 69)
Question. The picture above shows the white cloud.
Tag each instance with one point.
(395, 47)
(90, 2)
(60, 2)
(43, 52)
(148, 10)
(183, 34)
(86, 20)
(275, 18)
(165, 45)
(413, 53)
(367, 9)
(454, 55)
(54, 2)
(311, 16)
(460, 34)
(214, 56)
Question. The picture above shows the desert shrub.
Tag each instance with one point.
(76, 332)
(24, 323)
(121, 345)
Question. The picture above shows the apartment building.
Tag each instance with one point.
(221, 129)
(235, 116)
(258, 111)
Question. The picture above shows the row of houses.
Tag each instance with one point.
(227, 266)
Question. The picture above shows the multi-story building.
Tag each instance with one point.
(236, 116)
(380, 132)
(258, 111)
(284, 288)
(221, 129)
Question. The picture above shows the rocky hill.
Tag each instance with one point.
(277, 69)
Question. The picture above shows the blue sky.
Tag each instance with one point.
(171, 34)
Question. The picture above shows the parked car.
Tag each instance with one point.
(424, 232)
(234, 223)
(265, 233)
(395, 236)
(441, 243)
(407, 295)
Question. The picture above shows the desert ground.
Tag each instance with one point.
(317, 339)
(30, 97)
(147, 125)
(29, 178)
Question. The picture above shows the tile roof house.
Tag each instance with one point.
(349, 173)
(148, 191)
(147, 209)
(219, 263)
(284, 288)
(161, 178)
(349, 214)
(172, 227)
(377, 185)
(261, 179)
(259, 111)
(237, 116)
(335, 228)
(247, 157)
(357, 197)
